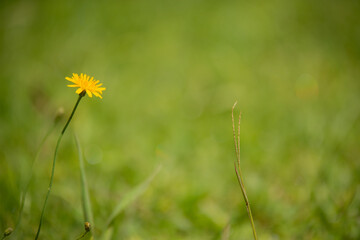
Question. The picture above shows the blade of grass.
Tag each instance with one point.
(132, 196)
(85, 197)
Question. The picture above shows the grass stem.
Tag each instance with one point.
(238, 170)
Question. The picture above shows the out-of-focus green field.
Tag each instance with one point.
(173, 70)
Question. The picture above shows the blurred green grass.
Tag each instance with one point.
(172, 71)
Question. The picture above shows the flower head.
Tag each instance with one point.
(85, 84)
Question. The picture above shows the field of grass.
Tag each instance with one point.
(173, 70)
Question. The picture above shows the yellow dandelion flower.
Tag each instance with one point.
(85, 84)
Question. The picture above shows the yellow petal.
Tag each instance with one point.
(71, 80)
(89, 93)
(79, 90)
(97, 94)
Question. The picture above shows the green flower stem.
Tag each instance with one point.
(72, 114)
(54, 162)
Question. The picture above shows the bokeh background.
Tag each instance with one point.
(173, 70)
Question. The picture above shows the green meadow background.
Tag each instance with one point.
(173, 70)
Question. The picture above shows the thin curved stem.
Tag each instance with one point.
(54, 162)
